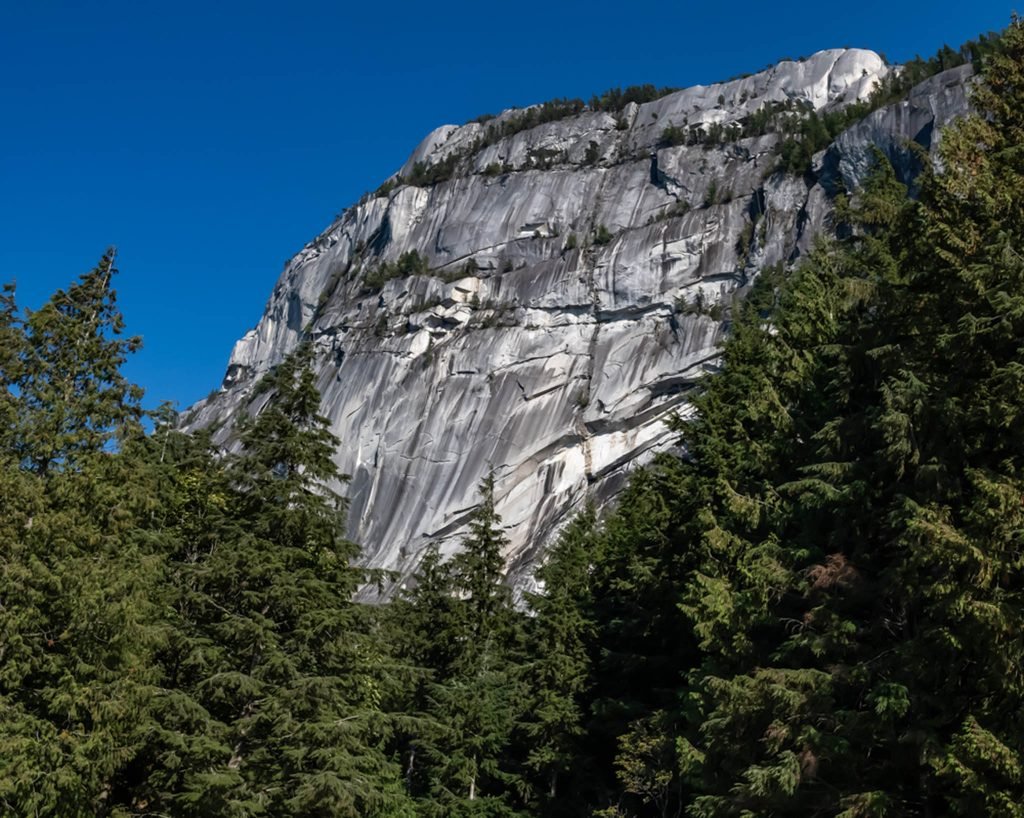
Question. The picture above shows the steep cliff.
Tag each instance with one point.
(544, 297)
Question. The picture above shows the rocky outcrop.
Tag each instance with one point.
(896, 129)
(570, 284)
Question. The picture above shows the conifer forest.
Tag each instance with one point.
(813, 607)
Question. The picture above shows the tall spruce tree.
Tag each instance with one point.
(460, 759)
(73, 398)
(558, 664)
(79, 616)
(278, 681)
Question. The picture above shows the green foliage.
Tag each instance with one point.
(615, 99)
(813, 132)
(458, 625)
(73, 399)
(277, 685)
(602, 236)
(815, 611)
(81, 598)
(410, 263)
(711, 197)
(805, 132)
(424, 175)
(178, 635)
(673, 211)
(743, 243)
(700, 305)
(841, 604)
(387, 187)
(673, 135)
(11, 363)
(557, 671)
(551, 111)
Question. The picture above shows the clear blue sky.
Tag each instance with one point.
(209, 141)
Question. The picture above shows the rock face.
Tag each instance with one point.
(576, 280)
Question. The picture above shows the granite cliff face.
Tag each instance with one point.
(570, 284)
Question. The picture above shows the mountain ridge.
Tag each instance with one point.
(545, 307)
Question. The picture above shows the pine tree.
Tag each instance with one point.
(473, 696)
(80, 600)
(965, 531)
(276, 702)
(642, 646)
(73, 398)
(558, 668)
(477, 573)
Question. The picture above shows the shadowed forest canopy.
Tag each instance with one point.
(816, 612)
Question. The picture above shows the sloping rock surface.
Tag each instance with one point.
(579, 279)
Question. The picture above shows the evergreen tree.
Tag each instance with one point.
(557, 670)
(73, 398)
(276, 702)
(79, 615)
(473, 698)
